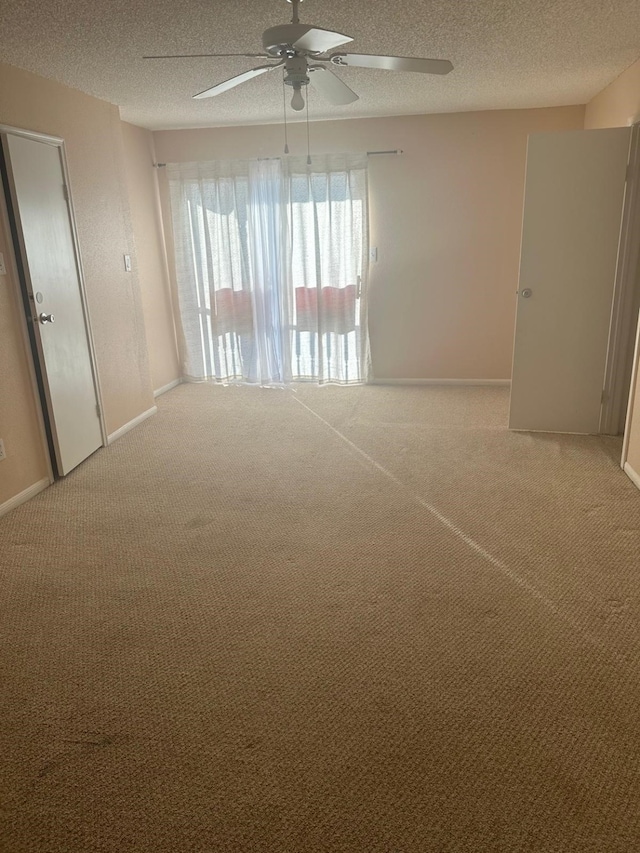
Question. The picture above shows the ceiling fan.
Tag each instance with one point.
(302, 50)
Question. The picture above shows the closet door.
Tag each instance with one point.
(42, 218)
(574, 195)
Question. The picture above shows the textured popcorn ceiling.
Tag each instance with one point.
(506, 53)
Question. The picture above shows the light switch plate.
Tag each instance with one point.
(127, 263)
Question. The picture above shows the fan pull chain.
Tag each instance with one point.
(284, 111)
(308, 146)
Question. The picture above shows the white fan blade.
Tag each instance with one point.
(235, 81)
(200, 55)
(317, 40)
(330, 87)
(393, 63)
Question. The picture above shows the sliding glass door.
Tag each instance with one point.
(270, 266)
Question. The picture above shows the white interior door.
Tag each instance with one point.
(574, 196)
(43, 224)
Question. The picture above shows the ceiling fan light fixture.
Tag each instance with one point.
(295, 75)
(297, 101)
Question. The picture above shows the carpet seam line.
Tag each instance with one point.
(460, 534)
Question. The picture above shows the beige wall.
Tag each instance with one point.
(152, 268)
(445, 216)
(617, 106)
(93, 136)
(25, 463)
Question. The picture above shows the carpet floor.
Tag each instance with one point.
(338, 619)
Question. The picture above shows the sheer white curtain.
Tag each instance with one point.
(327, 213)
(270, 269)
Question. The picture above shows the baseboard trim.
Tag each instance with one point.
(114, 436)
(632, 475)
(497, 382)
(167, 387)
(24, 496)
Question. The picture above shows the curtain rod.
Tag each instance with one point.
(396, 151)
(259, 160)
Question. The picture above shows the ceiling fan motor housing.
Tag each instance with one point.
(279, 41)
(296, 71)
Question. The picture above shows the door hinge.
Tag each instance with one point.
(603, 397)
(65, 190)
(98, 410)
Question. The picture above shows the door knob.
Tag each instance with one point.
(46, 318)
(526, 293)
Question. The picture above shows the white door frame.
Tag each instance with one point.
(32, 345)
(625, 303)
